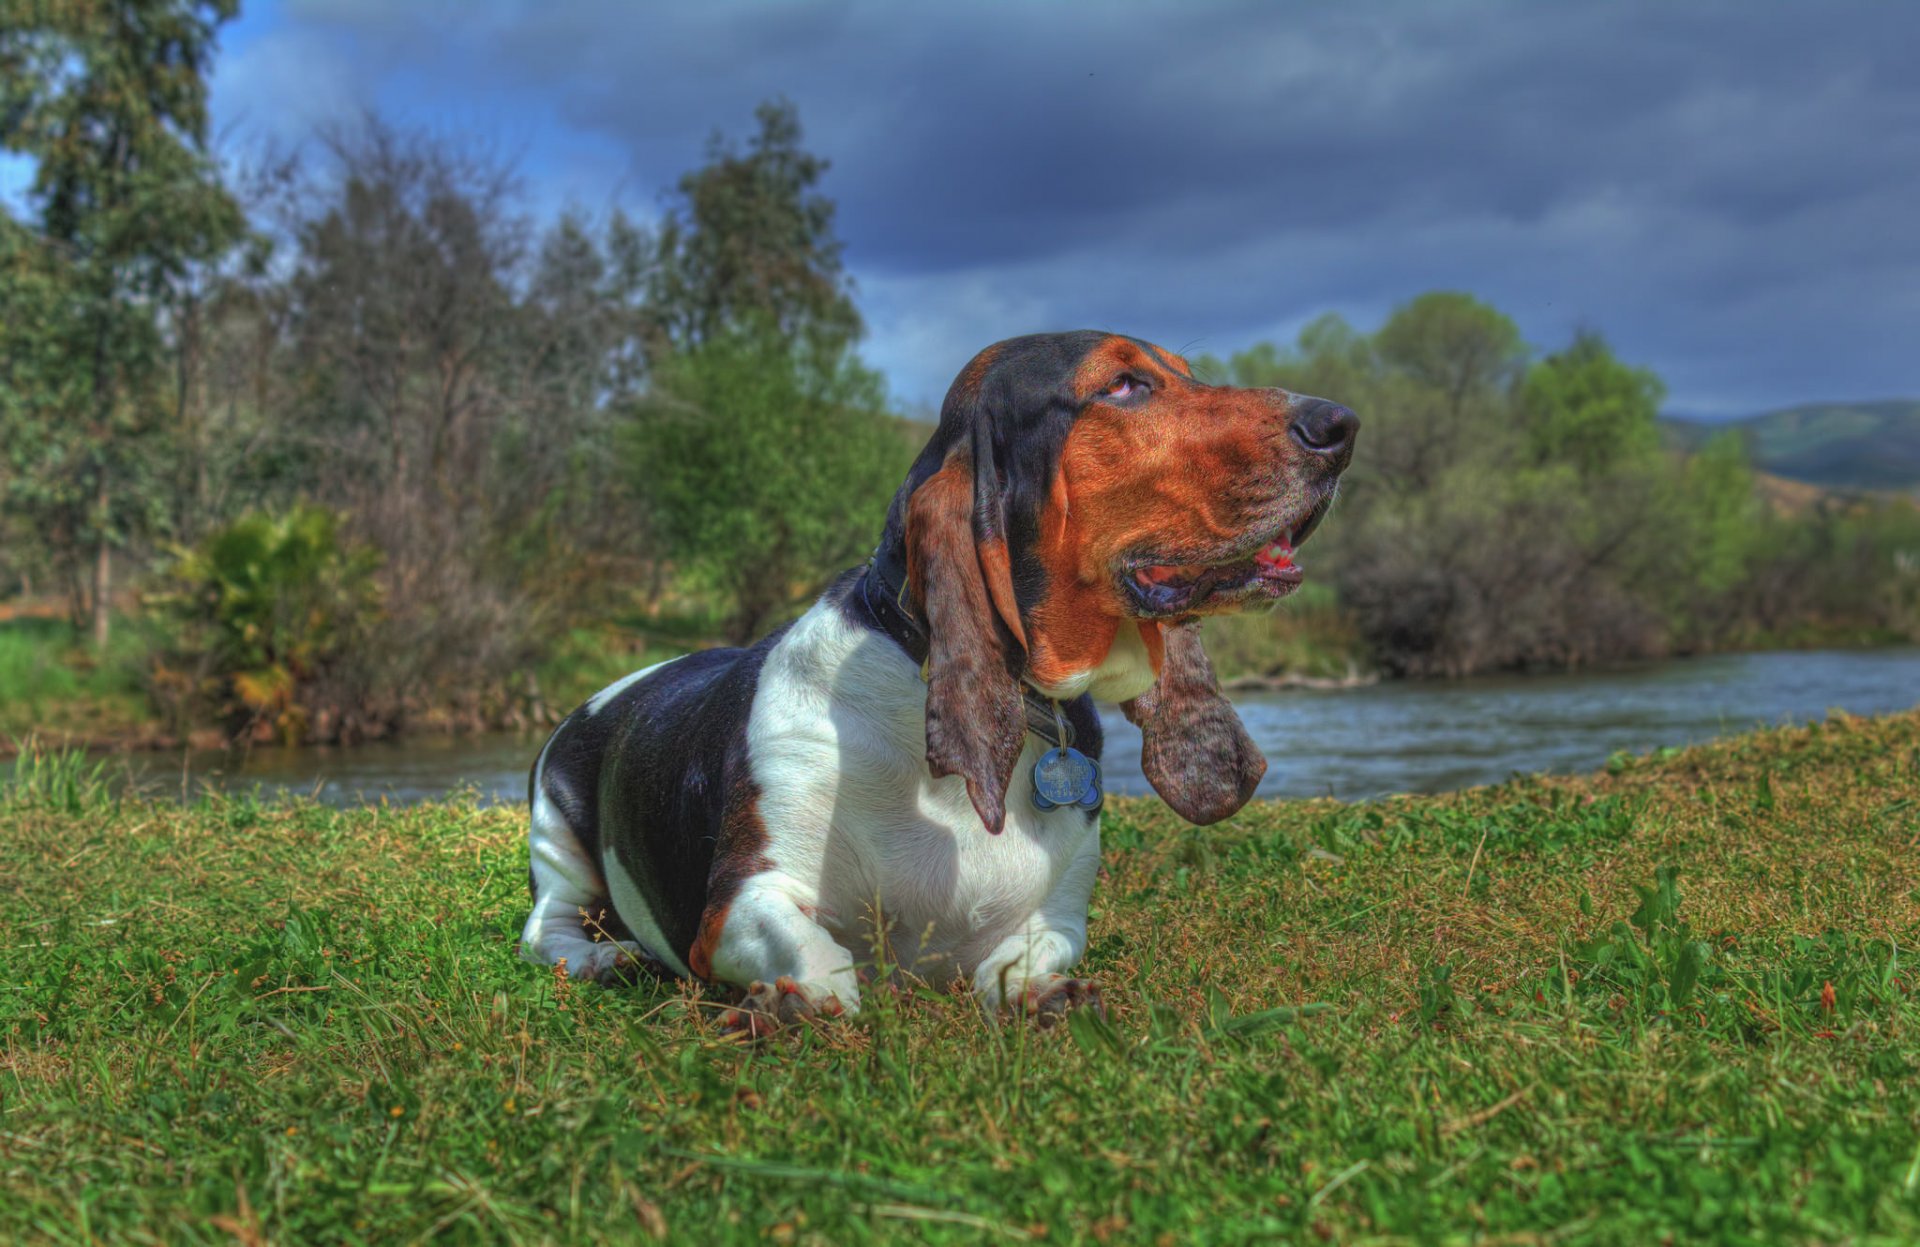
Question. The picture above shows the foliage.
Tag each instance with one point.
(109, 101)
(59, 779)
(1505, 512)
(751, 242)
(1589, 411)
(457, 375)
(1847, 571)
(261, 614)
(1672, 1004)
(764, 463)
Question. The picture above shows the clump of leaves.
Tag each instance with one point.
(64, 780)
(258, 612)
(1652, 958)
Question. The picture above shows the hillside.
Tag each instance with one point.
(1837, 445)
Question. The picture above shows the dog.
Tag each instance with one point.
(864, 779)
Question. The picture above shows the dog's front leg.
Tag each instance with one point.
(1027, 970)
(766, 941)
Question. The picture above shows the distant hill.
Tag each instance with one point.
(1834, 445)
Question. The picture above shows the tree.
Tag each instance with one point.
(763, 452)
(1587, 409)
(751, 239)
(1329, 359)
(766, 465)
(109, 99)
(457, 378)
(1453, 344)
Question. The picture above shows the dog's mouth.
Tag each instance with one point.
(1266, 575)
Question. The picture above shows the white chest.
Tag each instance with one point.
(838, 741)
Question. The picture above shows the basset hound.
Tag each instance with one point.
(860, 786)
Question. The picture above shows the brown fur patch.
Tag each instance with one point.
(740, 855)
(1194, 749)
(1099, 366)
(976, 370)
(1189, 472)
(975, 724)
(1155, 642)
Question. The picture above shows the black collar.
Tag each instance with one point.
(883, 589)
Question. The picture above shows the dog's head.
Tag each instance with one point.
(1084, 501)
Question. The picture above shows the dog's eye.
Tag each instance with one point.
(1124, 387)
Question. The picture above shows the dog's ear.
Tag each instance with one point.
(960, 574)
(1193, 747)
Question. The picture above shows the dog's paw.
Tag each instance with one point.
(766, 1007)
(612, 964)
(1048, 1000)
(631, 966)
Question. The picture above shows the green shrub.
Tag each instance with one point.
(259, 614)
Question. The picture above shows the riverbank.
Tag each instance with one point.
(1394, 737)
(1665, 1001)
(54, 693)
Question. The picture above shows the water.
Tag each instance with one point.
(1349, 743)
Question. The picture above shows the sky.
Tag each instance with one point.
(1728, 191)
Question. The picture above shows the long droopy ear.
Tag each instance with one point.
(959, 572)
(1193, 748)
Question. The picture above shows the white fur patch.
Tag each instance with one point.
(861, 836)
(1124, 674)
(565, 881)
(598, 702)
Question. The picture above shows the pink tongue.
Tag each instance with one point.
(1279, 554)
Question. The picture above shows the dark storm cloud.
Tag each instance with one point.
(1724, 189)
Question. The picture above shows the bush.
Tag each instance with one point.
(766, 466)
(260, 615)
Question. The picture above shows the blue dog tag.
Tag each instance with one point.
(1065, 776)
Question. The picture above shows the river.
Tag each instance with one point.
(1349, 743)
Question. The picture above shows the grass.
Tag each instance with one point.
(53, 685)
(1674, 1002)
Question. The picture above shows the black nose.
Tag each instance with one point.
(1322, 427)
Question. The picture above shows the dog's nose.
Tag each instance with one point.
(1322, 427)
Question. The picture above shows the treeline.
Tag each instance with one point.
(1513, 511)
(351, 438)
(350, 441)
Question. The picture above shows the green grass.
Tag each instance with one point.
(1675, 1002)
(52, 685)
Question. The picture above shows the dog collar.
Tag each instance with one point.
(883, 591)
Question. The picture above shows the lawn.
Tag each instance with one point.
(1673, 1002)
(54, 686)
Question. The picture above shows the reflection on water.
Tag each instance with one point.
(1352, 743)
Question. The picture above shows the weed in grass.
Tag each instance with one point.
(61, 780)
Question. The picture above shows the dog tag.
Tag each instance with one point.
(1065, 776)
